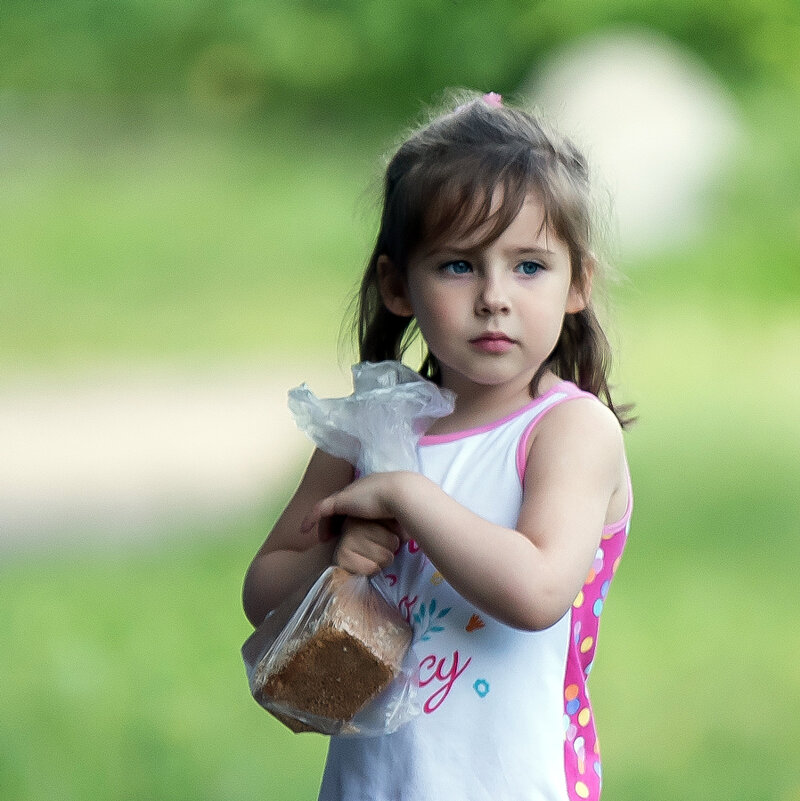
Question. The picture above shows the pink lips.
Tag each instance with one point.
(493, 342)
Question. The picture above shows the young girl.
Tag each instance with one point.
(501, 550)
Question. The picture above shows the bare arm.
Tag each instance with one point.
(529, 576)
(289, 557)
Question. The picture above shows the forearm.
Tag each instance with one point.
(274, 575)
(496, 568)
(527, 580)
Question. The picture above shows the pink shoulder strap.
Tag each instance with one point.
(561, 393)
(565, 391)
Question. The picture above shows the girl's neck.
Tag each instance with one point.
(479, 405)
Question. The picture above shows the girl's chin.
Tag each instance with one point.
(488, 380)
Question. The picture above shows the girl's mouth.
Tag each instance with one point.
(493, 342)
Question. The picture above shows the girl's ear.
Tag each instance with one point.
(581, 291)
(393, 288)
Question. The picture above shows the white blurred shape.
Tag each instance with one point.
(657, 126)
(115, 454)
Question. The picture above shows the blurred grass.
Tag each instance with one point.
(140, 238)
(124, 680)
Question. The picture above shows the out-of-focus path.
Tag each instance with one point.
(125, 453)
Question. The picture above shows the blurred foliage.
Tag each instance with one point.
(349, 55)
(132, 237)
(128, 238)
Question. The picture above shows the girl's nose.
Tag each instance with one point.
(492, 298)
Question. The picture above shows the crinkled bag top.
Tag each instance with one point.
(377, 428)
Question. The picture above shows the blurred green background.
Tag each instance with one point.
(193, 182)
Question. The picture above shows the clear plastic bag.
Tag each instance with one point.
(376, 428)
(336, 658)
(340, 664)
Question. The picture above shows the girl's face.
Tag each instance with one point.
(490, 314)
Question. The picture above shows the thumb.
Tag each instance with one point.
(322, 516)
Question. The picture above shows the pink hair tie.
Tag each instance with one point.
(490, 98)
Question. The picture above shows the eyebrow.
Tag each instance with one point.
(457, 252)
(524, 249)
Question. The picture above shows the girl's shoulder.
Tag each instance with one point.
(577, 419)
(576, 427)
(580, 439)
(565, 409)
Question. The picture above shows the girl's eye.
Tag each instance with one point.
(457, 267)
(529, 267)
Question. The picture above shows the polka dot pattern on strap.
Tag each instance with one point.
(581, 748)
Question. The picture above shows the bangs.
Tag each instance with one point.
(470, 206)
(450, 202)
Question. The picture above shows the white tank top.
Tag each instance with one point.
(506, 714)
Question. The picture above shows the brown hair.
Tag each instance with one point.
(441, 182)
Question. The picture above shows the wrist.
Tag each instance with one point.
(404, 494)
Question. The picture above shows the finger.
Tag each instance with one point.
(355, 563)
(383, 533)
(364, 557)
(332, 506)
(313, 517)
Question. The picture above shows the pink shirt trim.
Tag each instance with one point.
(568, 391)
(439, 439)
(622, 523)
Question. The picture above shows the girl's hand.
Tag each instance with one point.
(370, 534)
(369, 498)
(366, 546)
